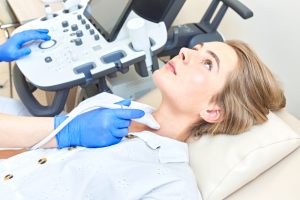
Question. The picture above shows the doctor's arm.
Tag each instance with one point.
(24, 132)
(14, 48)
(93, 129)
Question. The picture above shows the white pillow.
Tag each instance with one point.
(224, 163)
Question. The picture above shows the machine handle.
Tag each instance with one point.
(24, 90)
(214, 15)
(239, 8)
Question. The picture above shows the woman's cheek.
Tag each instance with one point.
(197, 80)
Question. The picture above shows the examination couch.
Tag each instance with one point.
(279, 181)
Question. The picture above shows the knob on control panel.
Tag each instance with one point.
(74, 27)
(97, 37)
(78, 41)
(79, 33)
(47, 44)
(65, 24)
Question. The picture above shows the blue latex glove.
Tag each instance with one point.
(96, 128)
(13, 48)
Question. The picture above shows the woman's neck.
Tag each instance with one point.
(173, 124)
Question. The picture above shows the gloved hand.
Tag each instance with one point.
(96, 128)
(12, 49)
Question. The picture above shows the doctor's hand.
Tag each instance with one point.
(13, 48)
(96, 128)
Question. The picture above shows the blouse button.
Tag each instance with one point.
(8, 177)
(130, 136)
(42, 161)
(71, 148)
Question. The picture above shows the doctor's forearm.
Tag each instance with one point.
(16, 131)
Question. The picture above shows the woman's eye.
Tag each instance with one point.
(208, 64)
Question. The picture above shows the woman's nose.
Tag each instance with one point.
(183, 55)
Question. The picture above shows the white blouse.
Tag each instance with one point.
(144, 166)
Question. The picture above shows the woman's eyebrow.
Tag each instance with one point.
(215, 57)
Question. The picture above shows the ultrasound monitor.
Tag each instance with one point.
(108, 16)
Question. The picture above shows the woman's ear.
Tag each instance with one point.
(212, 114)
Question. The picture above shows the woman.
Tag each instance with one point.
(210, 89)
(235, 92)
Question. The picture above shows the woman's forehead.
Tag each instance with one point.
(215, 45)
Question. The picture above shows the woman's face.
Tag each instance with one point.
(194, 76)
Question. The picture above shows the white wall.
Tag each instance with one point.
(273, 31)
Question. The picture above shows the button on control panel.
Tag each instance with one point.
(65, 24)
(48, 59)
(74, 27)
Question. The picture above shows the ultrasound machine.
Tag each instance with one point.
(100, 44)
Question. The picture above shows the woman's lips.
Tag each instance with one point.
(170, 66)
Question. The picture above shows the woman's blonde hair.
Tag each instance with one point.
(251, 91)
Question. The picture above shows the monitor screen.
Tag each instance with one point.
(108, 16)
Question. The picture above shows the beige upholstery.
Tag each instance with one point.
(279, 182)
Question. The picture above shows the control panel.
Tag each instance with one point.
(78, 52)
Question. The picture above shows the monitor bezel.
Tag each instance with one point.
(115, 30)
